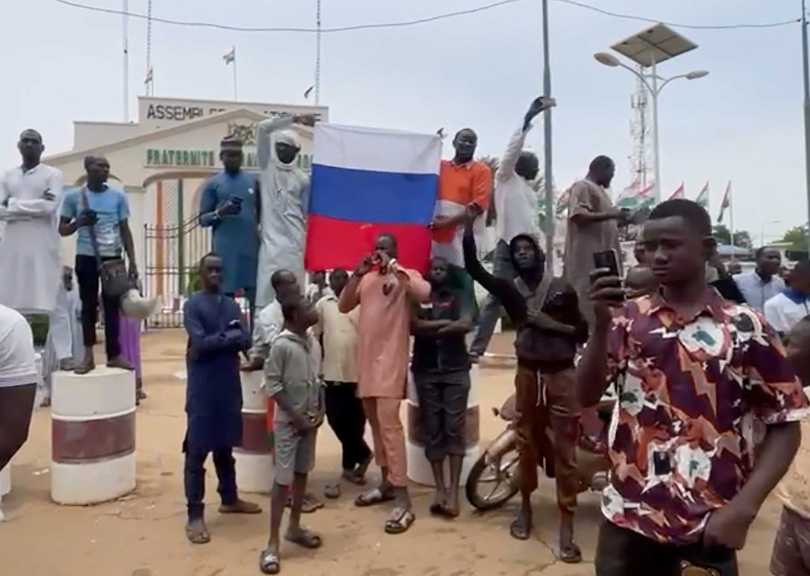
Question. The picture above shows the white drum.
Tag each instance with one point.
(254, 458)
(419, 470)
(5, 481)
(93, 436)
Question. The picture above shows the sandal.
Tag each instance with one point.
(197, 532)
(332, 490)
(269, 562)
(305, 539)
(309, 505)
(518, 530)
(399, 521)
(240, 507)
(571, 554)
(373, 497)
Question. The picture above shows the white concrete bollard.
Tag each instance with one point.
(254, 458)
(5, 480)
(419, 470)
(93, 436)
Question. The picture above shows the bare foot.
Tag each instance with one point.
(439, 502)
(569, 551)
(197, 532)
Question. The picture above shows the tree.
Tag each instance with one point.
(797, 238)
(742, 239)
(722, 234)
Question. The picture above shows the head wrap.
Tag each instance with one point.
(288, 137)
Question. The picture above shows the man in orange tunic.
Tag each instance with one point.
(385, 292)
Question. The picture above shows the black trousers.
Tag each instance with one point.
(622, 552)
(444, 416)
(344, 412)
(89, 284)
(194, 479)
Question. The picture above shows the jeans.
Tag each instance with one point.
(89, 283)
(491, 311)
(622, 552)
(194, 479)
(344, 412)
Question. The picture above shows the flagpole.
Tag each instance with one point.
(235, 86)
(125, 87)
(547, 135)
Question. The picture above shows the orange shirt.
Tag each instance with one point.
(459, 185)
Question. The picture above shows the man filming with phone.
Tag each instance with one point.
(693, 371)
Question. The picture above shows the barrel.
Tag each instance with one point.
(5, 481)
(92, 436)
(419, 470)
(254, 458)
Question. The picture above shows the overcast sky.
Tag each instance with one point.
(743, 122)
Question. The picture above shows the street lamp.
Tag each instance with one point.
(648, 49)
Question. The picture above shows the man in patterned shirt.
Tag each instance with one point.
(693, 371)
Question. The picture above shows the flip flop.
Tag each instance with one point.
(332, 490)
(373, 497)
(571, 554)
(305, 539)
(269, 562)
(399, 521)
(310, 504)
(240, 507)
(198, 535)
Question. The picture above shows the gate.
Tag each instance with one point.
(171, 255)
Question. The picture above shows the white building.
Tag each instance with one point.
(162, 162)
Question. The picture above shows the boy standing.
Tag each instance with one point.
(693, 373)
(344, 410)
(441, 371)
(292, 373)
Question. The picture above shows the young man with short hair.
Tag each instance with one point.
(441, 372)
(385, 292)
(100, 215)
(693, 372)
(213, 397)
(293, 381)
(764, 282)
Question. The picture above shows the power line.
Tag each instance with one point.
(676, 25)
(400, 24)
(416, 21)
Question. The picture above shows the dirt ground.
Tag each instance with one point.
(142, 534)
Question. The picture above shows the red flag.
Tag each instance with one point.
(679, 193)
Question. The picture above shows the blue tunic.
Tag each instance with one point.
(236, 237)
(214, 392)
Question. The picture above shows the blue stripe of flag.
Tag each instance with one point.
(369, 196)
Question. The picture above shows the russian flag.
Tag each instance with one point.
(366, 181)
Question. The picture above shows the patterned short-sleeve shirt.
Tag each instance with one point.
(681, 437)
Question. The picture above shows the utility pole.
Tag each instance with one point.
(806, 74)
(125, 86)
(548, 179)
(318, 53)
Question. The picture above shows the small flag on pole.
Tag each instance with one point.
(703, 197)
(229, 56)
(308, 91)
(150, 75)
(679, 193)
(726, 202)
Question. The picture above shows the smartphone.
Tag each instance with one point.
(236, 200)
(608, 260)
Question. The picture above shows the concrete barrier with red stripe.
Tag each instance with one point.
(254, 458)
(92, 436)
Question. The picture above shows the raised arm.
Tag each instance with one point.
(264, 131)
(350, 297)
(509, 160)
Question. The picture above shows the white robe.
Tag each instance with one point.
(30, 263)
(285, 205)
(65, 337)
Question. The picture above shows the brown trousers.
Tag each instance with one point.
(548, 400)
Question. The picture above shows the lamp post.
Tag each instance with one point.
(651, 83)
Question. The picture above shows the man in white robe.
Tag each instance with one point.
(29, 254)
(284, 203)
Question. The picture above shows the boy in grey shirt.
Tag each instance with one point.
(292, 378)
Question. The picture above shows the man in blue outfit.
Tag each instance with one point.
(230, 206)
(213, 397)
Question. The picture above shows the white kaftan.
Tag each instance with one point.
(30, 263)
(284, 209)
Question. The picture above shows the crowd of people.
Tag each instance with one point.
(706, 421)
